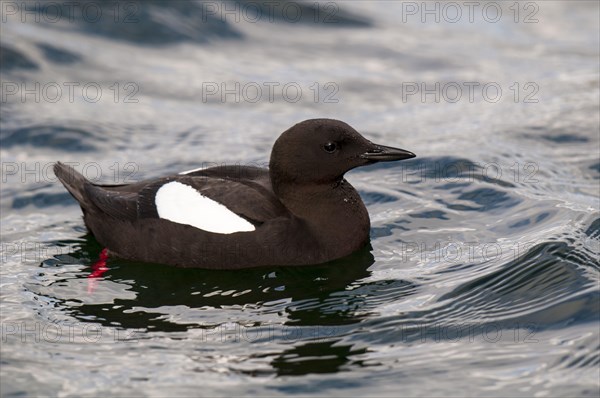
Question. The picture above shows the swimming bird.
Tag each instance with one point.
(299, 211)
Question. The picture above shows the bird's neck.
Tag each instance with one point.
(333, 211)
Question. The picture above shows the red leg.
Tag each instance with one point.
(98, 268)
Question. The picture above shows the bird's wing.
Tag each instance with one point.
(244, 174)
(119, 204)
(245, 198)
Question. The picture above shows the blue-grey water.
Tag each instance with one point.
(482, 278)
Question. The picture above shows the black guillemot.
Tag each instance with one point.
(300, 211)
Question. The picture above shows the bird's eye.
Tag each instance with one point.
(330, 147)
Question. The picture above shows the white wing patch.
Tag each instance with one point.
(182, 204)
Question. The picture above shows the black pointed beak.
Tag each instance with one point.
(380, 153)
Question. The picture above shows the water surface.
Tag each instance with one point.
(482, 274)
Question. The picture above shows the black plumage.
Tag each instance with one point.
(303, 210)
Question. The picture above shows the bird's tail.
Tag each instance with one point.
(72, 180)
